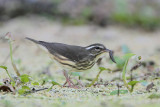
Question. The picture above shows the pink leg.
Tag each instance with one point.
(79, 82)
(67, 79)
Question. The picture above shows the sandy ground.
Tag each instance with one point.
(33, 60)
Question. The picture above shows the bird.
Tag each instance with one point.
(74, 58)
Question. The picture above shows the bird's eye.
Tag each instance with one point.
(97, 48)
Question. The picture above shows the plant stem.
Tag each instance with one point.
(50, 88)
(9, 55)
(124, 76)
(95, 79)
(9, 75)
(14, 66)
(132, 87)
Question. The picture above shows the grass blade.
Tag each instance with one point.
(128, 56)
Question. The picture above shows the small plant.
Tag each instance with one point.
(12, 80)
(101, 69)
(25, 81)
(25, 84)
(53, 84)
(131, 83)
(8, 37)
(6, 69)
(120, 61)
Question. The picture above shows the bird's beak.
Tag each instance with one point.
(111, 55)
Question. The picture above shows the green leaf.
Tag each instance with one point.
(25, 88)
(55, 83)
(127, 56)
(115, 92)
(3, 67)
(1, 83)
(103, 69)
(21, 91)
(35, 83)
(24, 78)
(124, 70)
(133, 82)
(120, 62)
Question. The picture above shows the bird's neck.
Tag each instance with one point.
(99, 56)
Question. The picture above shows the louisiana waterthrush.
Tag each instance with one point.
(75, 58)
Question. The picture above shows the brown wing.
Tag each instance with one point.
(73, 53)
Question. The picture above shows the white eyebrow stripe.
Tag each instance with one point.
(90, 47)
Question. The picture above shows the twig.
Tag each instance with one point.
(118, 89)
(136, 66)
(34, 90)
(117, 70)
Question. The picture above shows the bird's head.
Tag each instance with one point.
(98, 49)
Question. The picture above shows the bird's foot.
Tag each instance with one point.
(75, 86)
(79, 82)
(70, 84)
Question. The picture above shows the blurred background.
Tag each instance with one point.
(124, 26)
(133, 13)
(121, 25)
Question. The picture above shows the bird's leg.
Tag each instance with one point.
(65, 83)
(71, 80)
(79, 82)
(67, 79)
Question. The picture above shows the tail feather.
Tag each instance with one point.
(41, 44)
(35, 41)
